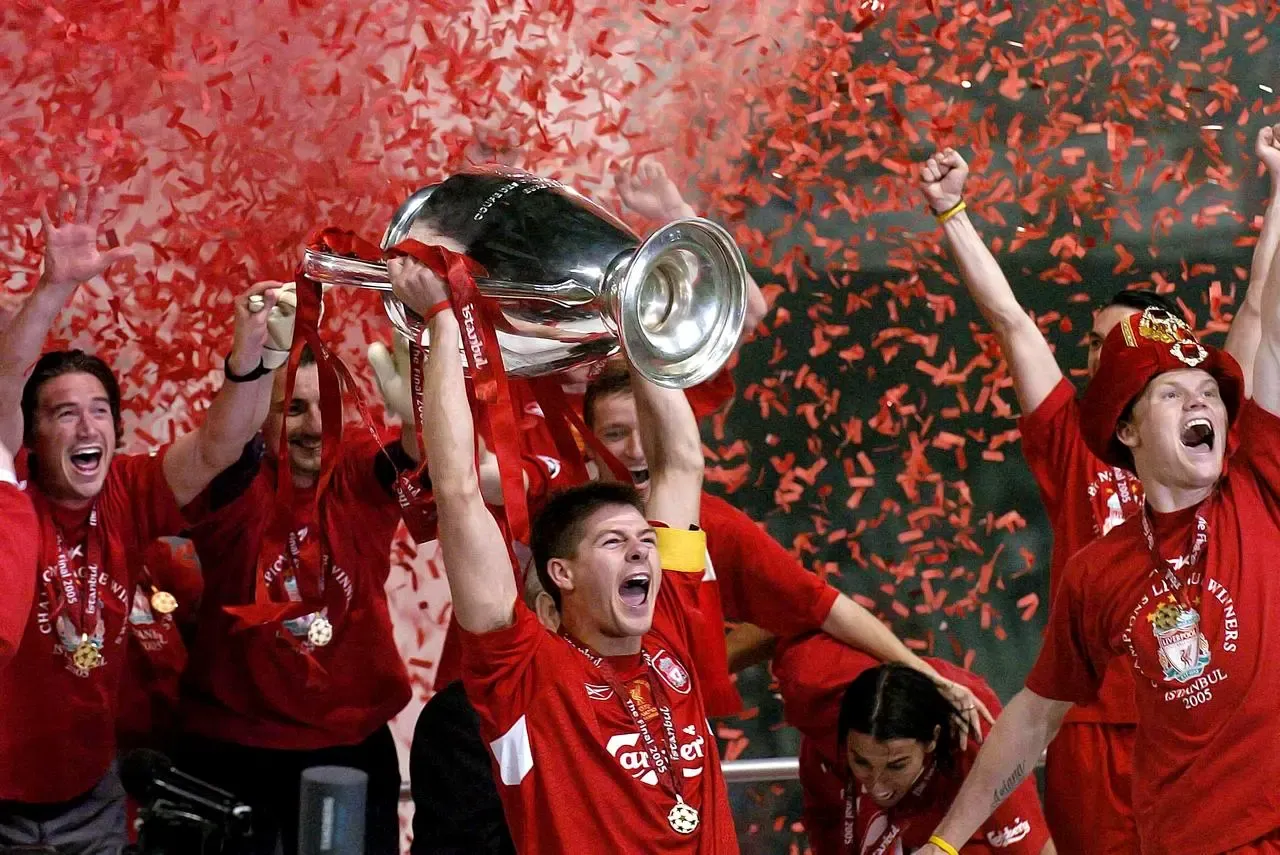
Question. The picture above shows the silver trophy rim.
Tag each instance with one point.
(721, 342)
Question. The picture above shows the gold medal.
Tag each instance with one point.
(86, 656)
(162, 602)
(683, 817)
(321, 631)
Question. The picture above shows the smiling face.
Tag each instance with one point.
(886, 769)
(609, 586)
(1178, 431)
(74, 438)
(614, 420)
(1103, 323)
(301, 416)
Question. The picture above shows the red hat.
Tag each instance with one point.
(1141, 347)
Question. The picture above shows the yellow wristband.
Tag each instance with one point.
(936, 840)
(952, 211)
(682, 550)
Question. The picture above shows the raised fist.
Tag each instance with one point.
(942, 179)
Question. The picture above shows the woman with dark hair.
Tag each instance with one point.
(882, 755)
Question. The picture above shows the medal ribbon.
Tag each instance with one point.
(662, 761)
(67, 595)
(477, 318)
(1199, 539)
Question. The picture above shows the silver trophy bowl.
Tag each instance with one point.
(574, 284)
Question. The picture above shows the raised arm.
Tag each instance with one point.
(71, 257)
(673, 448)
(650, 192)
(237, 411)
(475, 554)
(1009, 755)
(1031, 362)
(855, 626)
(1246, 328)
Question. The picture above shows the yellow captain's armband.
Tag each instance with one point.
(681, 550)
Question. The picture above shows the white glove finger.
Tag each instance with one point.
(383, 365)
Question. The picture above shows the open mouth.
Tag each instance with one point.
(86, 459)
(640, 476)
(1198, 433)
(634, 590)
(306, 443)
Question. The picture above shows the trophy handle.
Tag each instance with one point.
(328, 268)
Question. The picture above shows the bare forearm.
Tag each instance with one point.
(1031, 361)
(20, 347)
(1266, 367)
(1008, 756)
(448, 427)
(673, 448)
(1246, 328)
(850, 623)
(475, 556)
(982, 275)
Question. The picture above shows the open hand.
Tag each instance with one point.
(71, 253)
(650, 192)
(942, 179)
(970, 712)
(1268, 149)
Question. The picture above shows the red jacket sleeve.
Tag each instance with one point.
(760, 582)
(19, 543)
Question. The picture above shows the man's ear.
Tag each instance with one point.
(1127, 433)
(561, 574)
(545, 609)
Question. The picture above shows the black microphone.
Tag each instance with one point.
(149, 777)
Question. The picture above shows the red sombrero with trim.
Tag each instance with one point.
(1140, 348)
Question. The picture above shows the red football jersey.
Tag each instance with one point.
(57, 722)
(19, 543)
(571, 768)
(252, 686)
(1084, 499)
(813, 673)
(1207, 705)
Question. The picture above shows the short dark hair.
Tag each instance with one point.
(557, 530)
(615, 379)
(55, 364)
(897, 702)
(1145, 298)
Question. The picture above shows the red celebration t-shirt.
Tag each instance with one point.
(571, 767)
(267, 686)
(157, 653)
(57, 722)
(1208, 704)
(813, 673)
(19, 543)
(1084, 499)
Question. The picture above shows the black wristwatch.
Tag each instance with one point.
(261, 371)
